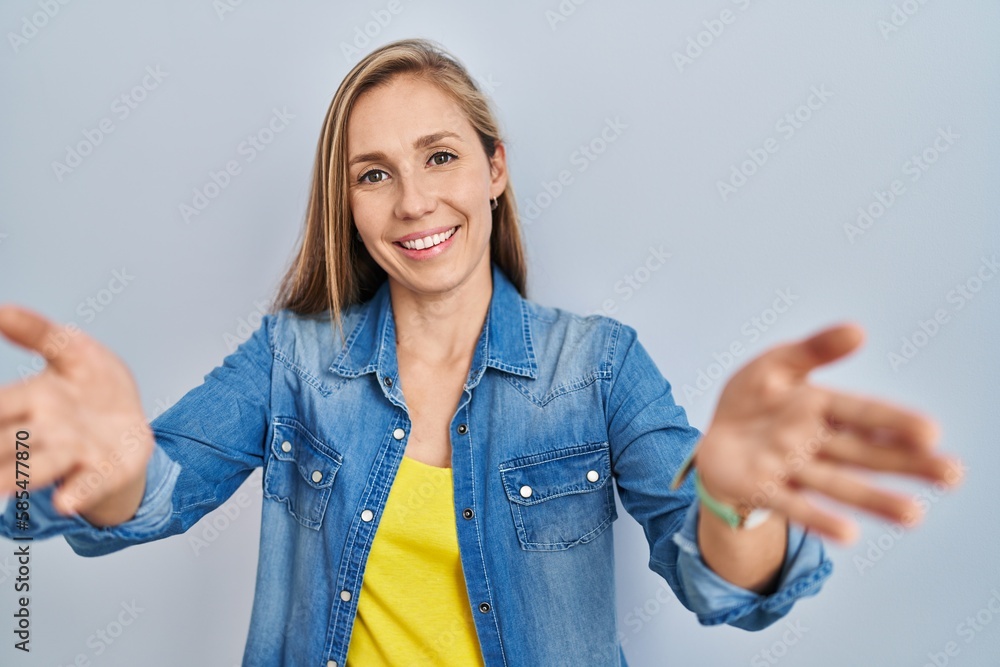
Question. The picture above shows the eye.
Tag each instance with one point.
(443, 157)
(370, 176)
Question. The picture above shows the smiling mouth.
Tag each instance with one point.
(427, 241)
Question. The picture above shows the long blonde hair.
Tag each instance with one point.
(332, 269)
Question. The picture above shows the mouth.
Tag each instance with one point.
(427, 246)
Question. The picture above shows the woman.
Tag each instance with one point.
(438, 451)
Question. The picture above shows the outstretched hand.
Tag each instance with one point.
(85, 419)
(775, 437)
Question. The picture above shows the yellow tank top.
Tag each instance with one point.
(414, 606)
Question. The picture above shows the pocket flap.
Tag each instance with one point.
(529, 480)
(314, 460)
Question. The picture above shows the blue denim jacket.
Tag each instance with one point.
(555, 407)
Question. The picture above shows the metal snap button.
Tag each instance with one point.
(367, 515)
(388, 381)
(468, 513)
(345, 596)
(525, 491)
(593, 476)
(286, 446)
(462, 429)
(484, 607)
(317, 476)
(398, 434)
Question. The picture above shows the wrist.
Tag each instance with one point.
(736, 514)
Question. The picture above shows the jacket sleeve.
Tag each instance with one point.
(207, 444)
(650, 437)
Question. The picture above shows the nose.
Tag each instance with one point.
(415, 200)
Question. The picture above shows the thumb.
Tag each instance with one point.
(37, 333)
(821, 348)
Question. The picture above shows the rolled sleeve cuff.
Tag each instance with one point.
(715, 600)
(86, 539)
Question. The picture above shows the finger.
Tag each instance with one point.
(47, 461)
(853, 449)
(14, 401)
(881, 418)
(821, 348)
(91, 481)
(835, 482)
(794, 505)
(12, 432)
(74, 493)
(34, 332)
(11, 473)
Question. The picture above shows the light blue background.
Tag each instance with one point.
(555, 83)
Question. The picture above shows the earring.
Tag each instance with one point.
(493, 204)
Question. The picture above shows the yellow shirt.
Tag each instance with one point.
(414, 608)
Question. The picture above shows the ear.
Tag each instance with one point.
(498, 170)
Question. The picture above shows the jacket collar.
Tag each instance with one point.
(504, 344)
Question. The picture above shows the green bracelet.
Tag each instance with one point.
(720, 509)
(729, 514)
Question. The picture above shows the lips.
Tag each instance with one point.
(427, 239)
(445, 240)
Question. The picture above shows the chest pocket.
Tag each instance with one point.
(561, 498)
(300, 472)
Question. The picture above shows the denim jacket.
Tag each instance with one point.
(557, 411)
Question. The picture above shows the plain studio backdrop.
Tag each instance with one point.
(722, 176)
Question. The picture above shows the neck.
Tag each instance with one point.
(442, 328)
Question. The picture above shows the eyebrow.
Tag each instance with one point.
(422, 142)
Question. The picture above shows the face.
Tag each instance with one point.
(420, 185)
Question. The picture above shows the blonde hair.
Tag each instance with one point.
(332, 269)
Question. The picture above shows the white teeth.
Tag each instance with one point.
(428, 241)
